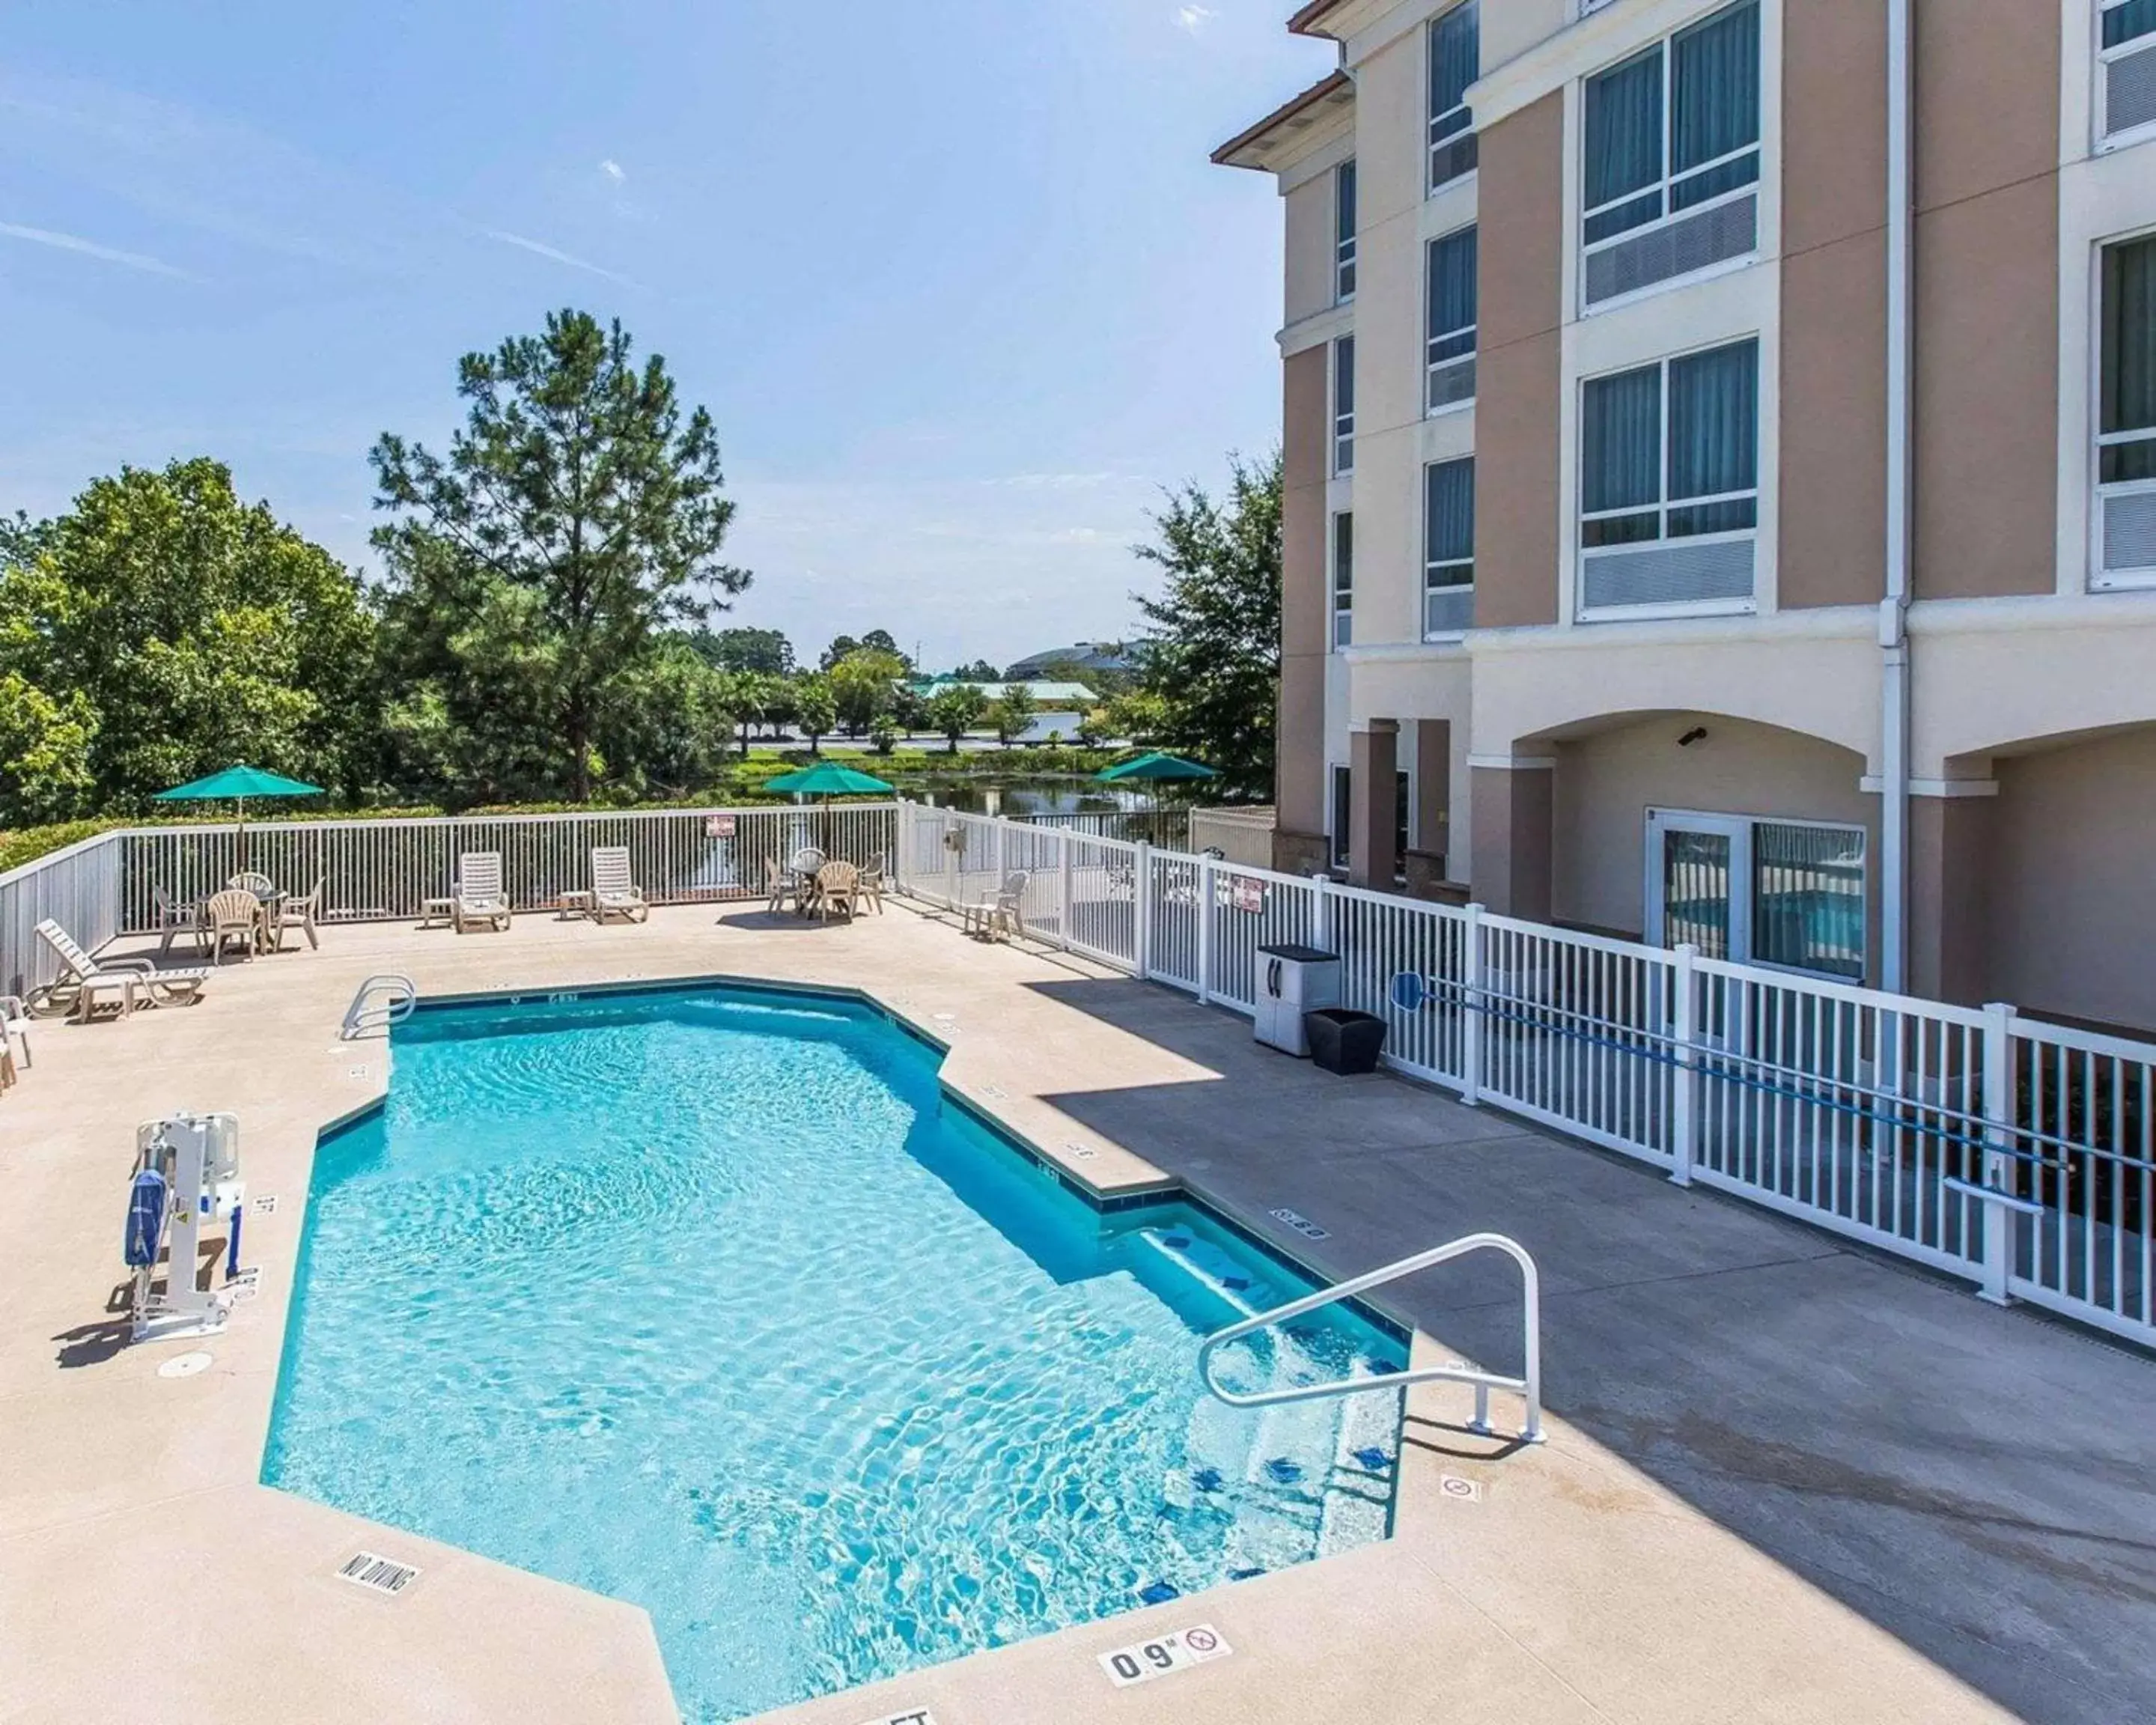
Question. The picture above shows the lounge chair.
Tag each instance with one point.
(175, 919)
(300, 913)
(614, 889)
(479, 898)
(84, 978)
(235, 911)
(1001, 912)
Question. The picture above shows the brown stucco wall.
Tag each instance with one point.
(2072, 906)
(1509, 872)
(1521, 243)
(1299, 774)
(1951, 847)
(1834, 305)
(1987, 299)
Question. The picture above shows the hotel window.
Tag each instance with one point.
(1343, 405)
(2125, 70)
(1455, 61)
(1450, 354)
(1448, 558)
(1343, 578)
(1343, 240)
(2126, 414)
(1670, 137)
(1789, 894)
(1669, 481)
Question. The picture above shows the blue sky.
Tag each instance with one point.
(955, 277)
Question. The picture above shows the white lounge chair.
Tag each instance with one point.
(479, 898)
(613, 888)
(84, 978)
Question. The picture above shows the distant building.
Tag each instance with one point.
(1058, 706)
(1085, 656)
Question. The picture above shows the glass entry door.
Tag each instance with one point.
(1697, 883)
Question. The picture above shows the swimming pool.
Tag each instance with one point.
(711, 1301)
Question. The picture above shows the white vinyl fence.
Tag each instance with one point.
(2017, 1153)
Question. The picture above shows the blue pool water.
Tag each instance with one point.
(709, 1301)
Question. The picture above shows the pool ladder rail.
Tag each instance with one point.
(382, 1001)
(1528, 1386)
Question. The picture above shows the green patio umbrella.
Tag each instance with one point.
(1155, 768)
(827, 778)
(236, 784)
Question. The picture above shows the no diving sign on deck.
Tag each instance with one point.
(1164, 1655)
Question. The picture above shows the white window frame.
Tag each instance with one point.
(1343, 422)
(2100, 579)
(2106, 140)
(1739, 829)
(1343, 245)
(1435, 139)
(1429, 567)
(1341, 578)
(1433, 366)
(1666, 184)
(1664, 503)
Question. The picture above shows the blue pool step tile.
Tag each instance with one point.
(1206, 1479)
(1246, 1573)
(1283, 1471)
(1374, 1460)
(1159, 1593)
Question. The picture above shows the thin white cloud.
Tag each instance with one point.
(90, 249)
(613, 170)
(1192, 19)
(553, 254)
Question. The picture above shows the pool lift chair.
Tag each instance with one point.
(187, 1180)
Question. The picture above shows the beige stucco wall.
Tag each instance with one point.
(1300, 741)
(1833, 304)
(2073, 887)
(1521, 241)
(1607, 782)
(1307, 208)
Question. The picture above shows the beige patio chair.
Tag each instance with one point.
(234, 911)
(1001, 912)
(300, 913)
(84, 978)
(870, 888)
(778, 884)
(836, 884)
(254, 881)
(480, 897)
(14, 1035)
(175, 919)
(613, 888)
(806, 860)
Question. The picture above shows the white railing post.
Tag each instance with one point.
(954, 841)
(1998, 1218)
(1684, 1114)
(1471, 1014)
(1321, 913)
(1205, 929)
(1063, 887)
(1142, 911)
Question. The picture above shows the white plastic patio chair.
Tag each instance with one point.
(1001, 912)
(82, 979)
(613, 888)
(300, 913)
(234, 913)
(175, 919)
(15, 1028)
(479, 898)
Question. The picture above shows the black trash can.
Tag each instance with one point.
(1344, 1041)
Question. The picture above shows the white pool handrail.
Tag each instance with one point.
(1528, 1385)
(366, 1013)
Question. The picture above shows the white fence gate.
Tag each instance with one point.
(2018, 1153)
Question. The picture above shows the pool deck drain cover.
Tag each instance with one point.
(184, 1365)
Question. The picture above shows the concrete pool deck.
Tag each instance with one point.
(1786, 1481)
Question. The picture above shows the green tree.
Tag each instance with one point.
(1012, 711)
(841, 646)
(979, 671)
(956, 708)
(580, 514)
(671, 732)
(909, 709)
(1214, 661)
(765, 651)
(864, 685)
(814, 710)
(45, 753)
(172, 629)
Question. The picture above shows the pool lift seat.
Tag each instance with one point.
(187, 1179)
